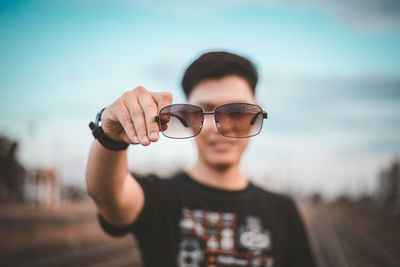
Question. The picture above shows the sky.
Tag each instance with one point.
(329, 80)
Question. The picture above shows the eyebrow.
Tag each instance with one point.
(207, 106)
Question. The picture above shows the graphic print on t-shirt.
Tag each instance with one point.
(211, 238)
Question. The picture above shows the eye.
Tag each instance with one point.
(236, 114)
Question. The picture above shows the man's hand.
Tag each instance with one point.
(130, 118)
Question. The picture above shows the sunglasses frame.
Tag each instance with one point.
(264, 116)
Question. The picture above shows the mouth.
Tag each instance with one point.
(221, 146)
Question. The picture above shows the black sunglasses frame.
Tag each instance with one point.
(264, 115)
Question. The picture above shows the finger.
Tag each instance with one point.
(150, 110)
(163, 121)
(126, 139)
(164, 127)
(162, 99)
(122, 113)
(137, 116)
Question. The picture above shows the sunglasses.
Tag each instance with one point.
(236, 120)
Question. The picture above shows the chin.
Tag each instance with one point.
(219, 162)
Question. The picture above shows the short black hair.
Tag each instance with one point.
(218, 64)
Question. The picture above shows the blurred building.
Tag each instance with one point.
(12, 172)
(18, 184)
(42, 188)
(388, 193)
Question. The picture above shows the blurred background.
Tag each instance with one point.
(329, 80)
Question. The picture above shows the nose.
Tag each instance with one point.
(209, 124)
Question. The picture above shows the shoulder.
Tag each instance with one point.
(156, 180)
(278, 200)
(282, 205)
(150, 177)
(156, 176)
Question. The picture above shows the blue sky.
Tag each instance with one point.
(329, 78)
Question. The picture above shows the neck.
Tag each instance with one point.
(227, 178)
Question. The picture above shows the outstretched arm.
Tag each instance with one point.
(118, 197)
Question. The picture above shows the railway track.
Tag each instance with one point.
(338, 242)
(363, 250)
(119, 254)
(327, 246)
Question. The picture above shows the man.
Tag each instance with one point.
(210, 214)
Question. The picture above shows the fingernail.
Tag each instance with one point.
(144, 139)
(135, 139)
(154, 135)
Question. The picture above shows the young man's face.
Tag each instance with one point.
(214, 149)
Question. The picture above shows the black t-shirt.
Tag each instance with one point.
(186, 223)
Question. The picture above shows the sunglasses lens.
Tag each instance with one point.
(181, 120)
(239, 119)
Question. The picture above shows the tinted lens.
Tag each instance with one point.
(181, 120)
(239, 119)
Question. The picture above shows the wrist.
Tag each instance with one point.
(102, 138)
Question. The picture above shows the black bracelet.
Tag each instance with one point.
(103, 139)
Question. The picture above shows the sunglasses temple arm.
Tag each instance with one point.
(265, 115)
(253, 120)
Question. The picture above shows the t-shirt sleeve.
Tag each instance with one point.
(301, 252)
(151, 186)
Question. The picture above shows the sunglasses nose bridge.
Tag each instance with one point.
(209, 114)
